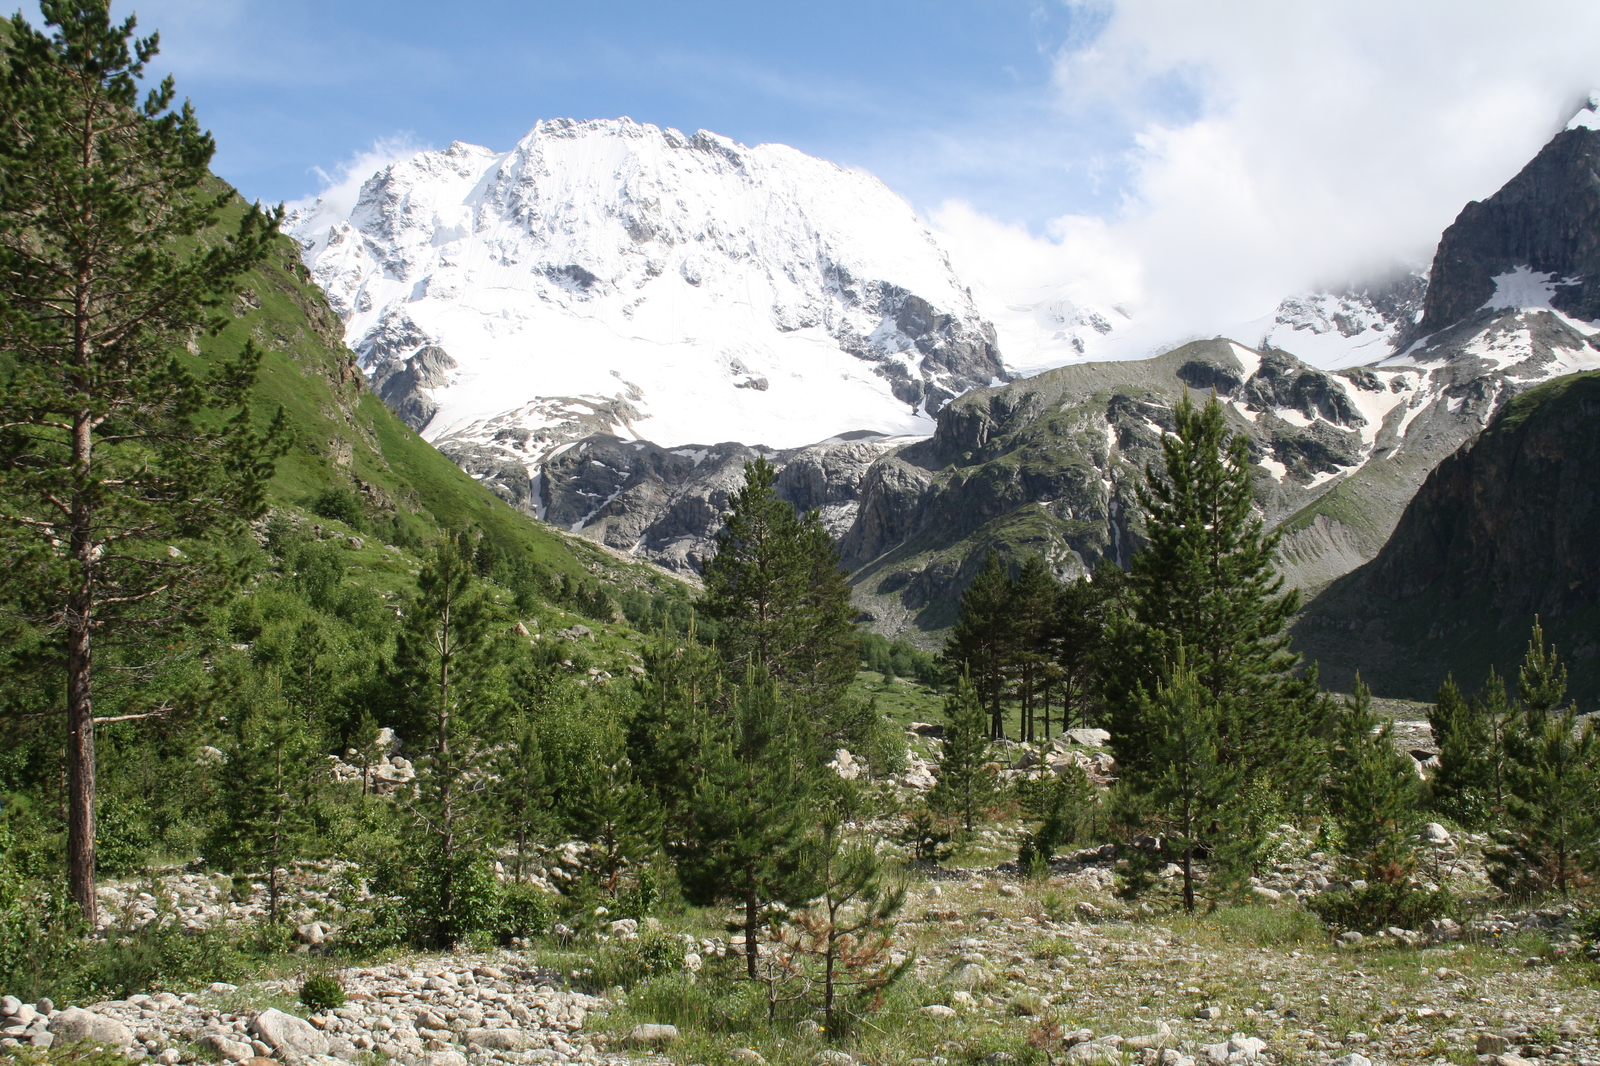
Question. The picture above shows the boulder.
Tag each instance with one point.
(1353, 1059)
(228, 1049)
(651, 1035)
(1434, 833)
(1492, 1044)
(937, 1010)
(499, 1039)
(444, 1058)
(1235, 1049)
(284, 1032)
(1159, 1039)
(76, 1025)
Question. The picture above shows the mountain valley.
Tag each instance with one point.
(465, 277)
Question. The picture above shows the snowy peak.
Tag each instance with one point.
(680, 288)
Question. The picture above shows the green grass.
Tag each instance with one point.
(344, 438)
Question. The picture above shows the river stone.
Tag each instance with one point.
(75, 1025)
(285, 1032)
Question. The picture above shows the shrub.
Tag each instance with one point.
(377, 927)
(627, 962)
(322, 992)
(341, 505)
(1379, 906)
(525, 910)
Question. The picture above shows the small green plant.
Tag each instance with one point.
(1379, 906)
(927, 836)
(1055, 905)
(322, 992)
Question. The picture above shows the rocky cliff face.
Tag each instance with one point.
(1542, 230)
(1505, 528)
(666, 504)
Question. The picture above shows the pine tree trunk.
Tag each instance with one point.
(752, 915)
(80, 766)
(80, 704)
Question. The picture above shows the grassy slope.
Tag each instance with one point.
(344, 437)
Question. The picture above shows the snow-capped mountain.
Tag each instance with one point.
(614, 277)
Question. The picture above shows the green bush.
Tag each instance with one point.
(341, 505)
(627, 962)
(1379, 906)
(322, 992)
(381, 925)
(525, 910)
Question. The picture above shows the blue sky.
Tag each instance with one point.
(1195, 161)
(930, 94)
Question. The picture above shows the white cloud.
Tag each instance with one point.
(342, 188)
(1279, 146)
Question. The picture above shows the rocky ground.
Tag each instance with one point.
(1006, 969)
(999, 961)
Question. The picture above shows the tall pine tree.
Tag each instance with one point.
(122, 467)
(1206, 581)
(450, 669)
(980, 642)
(776, 587)
(966, 780)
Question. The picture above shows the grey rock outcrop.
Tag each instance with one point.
(1546, 219)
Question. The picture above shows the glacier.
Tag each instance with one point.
(611, 276)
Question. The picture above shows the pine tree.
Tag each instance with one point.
(965, 779)
(1031, 606)
(1076, 644)
(1376, 794)
(525, 804)
(848, 930)
(1184, 778)
(122, 469)
(616, 816)
(980, 642)
(1206, 582)
(448, 661)
(265, 818)
(1552, 783)
(744, 833)
(777, 589)
(1462, 788)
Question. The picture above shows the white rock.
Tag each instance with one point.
(652, 1035)
(938, 1010)
(285, 1032)
(75, 1025)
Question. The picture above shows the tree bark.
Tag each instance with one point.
(80, 704)
(80, 771)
